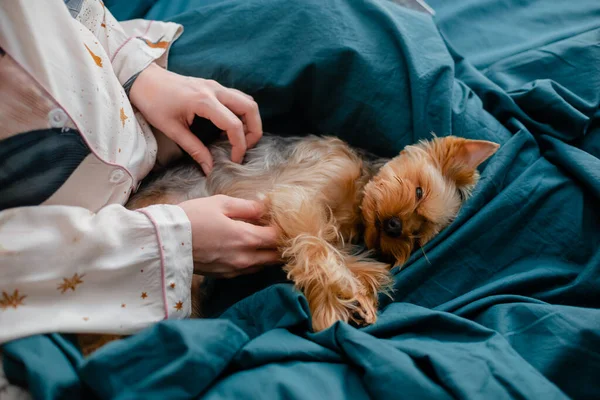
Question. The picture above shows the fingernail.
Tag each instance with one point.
(206, 168)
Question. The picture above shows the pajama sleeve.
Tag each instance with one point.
(131, 45)
(66, 269)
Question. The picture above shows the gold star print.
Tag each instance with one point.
(13, 300)
(96, 58)
(159, 44)
(102, 24)
(123, 305)
(144, 295)
(70, 283)
(179, 306)
(172, 285)
(123, 117)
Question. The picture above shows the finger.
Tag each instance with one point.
(256, 259)
(243, 94)
(242, 209)
(228, 271)
(252, 137)
(194, 147)
(243, 263)
(259, 237)
(258, 267)
(246, 108)
(227, 121)
(212, 270)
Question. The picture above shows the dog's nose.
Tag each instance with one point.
(392, 227)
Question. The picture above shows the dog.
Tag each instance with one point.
(324, 196)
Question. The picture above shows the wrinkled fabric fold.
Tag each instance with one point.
(504, 303)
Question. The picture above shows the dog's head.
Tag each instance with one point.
(418, 193)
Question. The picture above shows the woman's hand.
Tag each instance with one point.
(225, 246)
(170, 102)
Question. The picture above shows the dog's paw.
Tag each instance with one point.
(365, 312)
(360, 310)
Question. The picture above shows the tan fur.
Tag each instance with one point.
(325, 196)
(149, 199)
(315, 201)
(446, 171)
(316, 207)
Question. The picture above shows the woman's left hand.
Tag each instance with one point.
(170, 102)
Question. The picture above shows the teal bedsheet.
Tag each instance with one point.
(506, 303)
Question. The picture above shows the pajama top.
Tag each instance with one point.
(72, 150)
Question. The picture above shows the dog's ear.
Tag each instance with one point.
(477, 151)
(459, 158)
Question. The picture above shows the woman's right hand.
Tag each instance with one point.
(225, 246)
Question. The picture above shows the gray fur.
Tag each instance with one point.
(186, 181)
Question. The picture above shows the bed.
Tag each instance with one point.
(504, 303)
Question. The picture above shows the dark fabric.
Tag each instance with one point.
(505, 305)
(33, 165)
(125, 10)
(127, 85)
(74, 7)
(329, 78)
(57, 380)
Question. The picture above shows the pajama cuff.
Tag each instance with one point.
(174, 235)
(143, 47)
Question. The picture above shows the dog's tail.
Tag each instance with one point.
(319, 262)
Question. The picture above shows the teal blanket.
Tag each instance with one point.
(506, 303)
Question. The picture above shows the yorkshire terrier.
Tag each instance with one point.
(323, 196)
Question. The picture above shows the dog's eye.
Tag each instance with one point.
(419, 193)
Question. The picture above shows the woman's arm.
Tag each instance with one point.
(138, 52)
(66, 269)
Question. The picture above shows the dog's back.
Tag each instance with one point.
(313, 188)
(276, 163)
